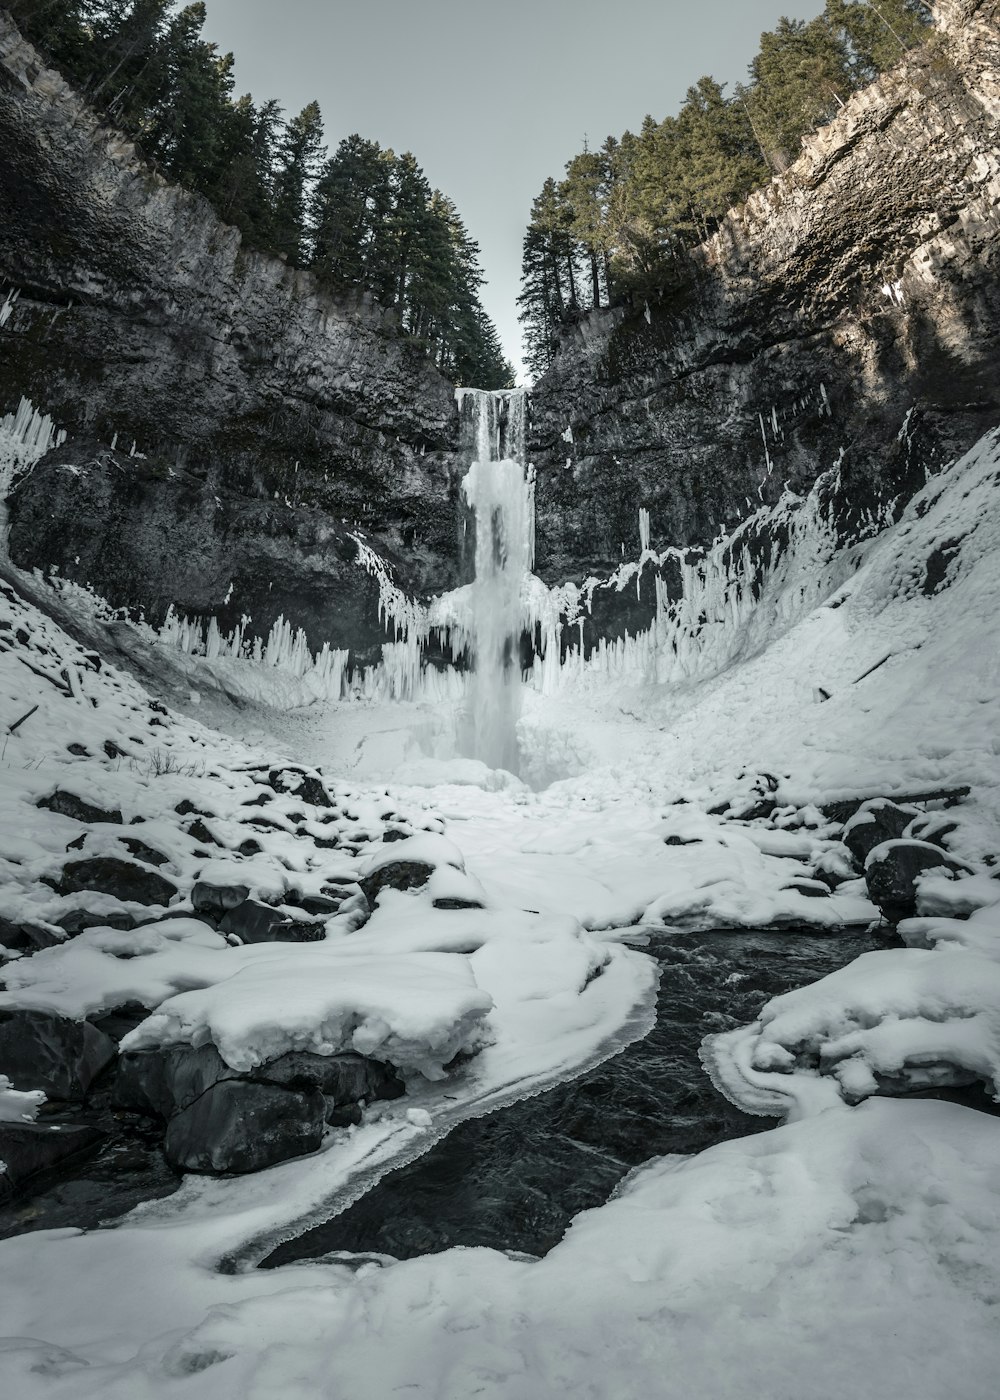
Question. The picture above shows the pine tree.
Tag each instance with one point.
(799, 78)
(877, 32)
(300, 158)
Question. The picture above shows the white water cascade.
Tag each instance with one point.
(499, 491)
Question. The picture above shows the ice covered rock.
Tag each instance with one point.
(875, 821)
(238, 1126)
(124, 879)
(62, 1057)
(893, 869)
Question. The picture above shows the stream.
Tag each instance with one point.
(514, 1179)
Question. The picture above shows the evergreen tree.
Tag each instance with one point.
(799, 78)
(877, 32)
(300, 158)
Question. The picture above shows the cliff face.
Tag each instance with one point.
(272, 418)
(856, 293)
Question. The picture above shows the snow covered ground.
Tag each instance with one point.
(853, 1250)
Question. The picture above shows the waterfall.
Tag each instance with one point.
(499, 491)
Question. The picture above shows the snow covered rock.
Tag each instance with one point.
(216, 900)
(409, 864)
(62, 1057)
(892, 872)
(68, 804)
(874, 822)
(252, 922)
(238, 1126)
(127, 881)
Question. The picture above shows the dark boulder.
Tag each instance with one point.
(892, 871)
(396, 875)
(25, 937)
(77, 921)
(161, 1082)
(238, 1126)
(342, 1079)
(27, 1148)
(141, 851)
(67, 804)
(450, 902)
(215, 900)
(121, 1020)
(39, 1050)
(252, 922)
(874, 822)
(123, 879)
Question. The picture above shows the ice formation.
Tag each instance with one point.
(499, 495)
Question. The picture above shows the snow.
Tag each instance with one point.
(17, 1105)
(852, 1250)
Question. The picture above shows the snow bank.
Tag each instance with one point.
(418, 1011)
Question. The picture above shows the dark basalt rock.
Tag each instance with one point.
(39, 1050)
(237, 1126)
(343, 1079)
(164, 1081)
(892, 872)
(67, 804)
(125, 880)
(198, 831)
(121, 1020)
(216, 900)
(875, 821)
(79, 920)
(25, 937)
(141, 851)
(449, 902)
(252, 922)
(397, 875)
(28, 1148)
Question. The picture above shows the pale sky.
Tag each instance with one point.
(491, 99)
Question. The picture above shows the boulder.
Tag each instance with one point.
(141, 851)
(77, 921)
(161, 1082)
(27, 1148)
(342, 1079)
(67, 804)
(875, 821)
(215, 900)
(121, 1020)
(238, 1126)
(39, 1050)
(892, 871)
(396, 875)
(25, 937)
(124, 879)
(252, 922)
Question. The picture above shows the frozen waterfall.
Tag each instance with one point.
(499, 492)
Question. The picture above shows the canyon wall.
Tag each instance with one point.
(849, 311)
(269, 419)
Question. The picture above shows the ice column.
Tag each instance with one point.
(500, 495)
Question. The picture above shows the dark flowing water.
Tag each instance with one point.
(515, 1179)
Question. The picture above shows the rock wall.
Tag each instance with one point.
(850, 310)
(271, 417)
